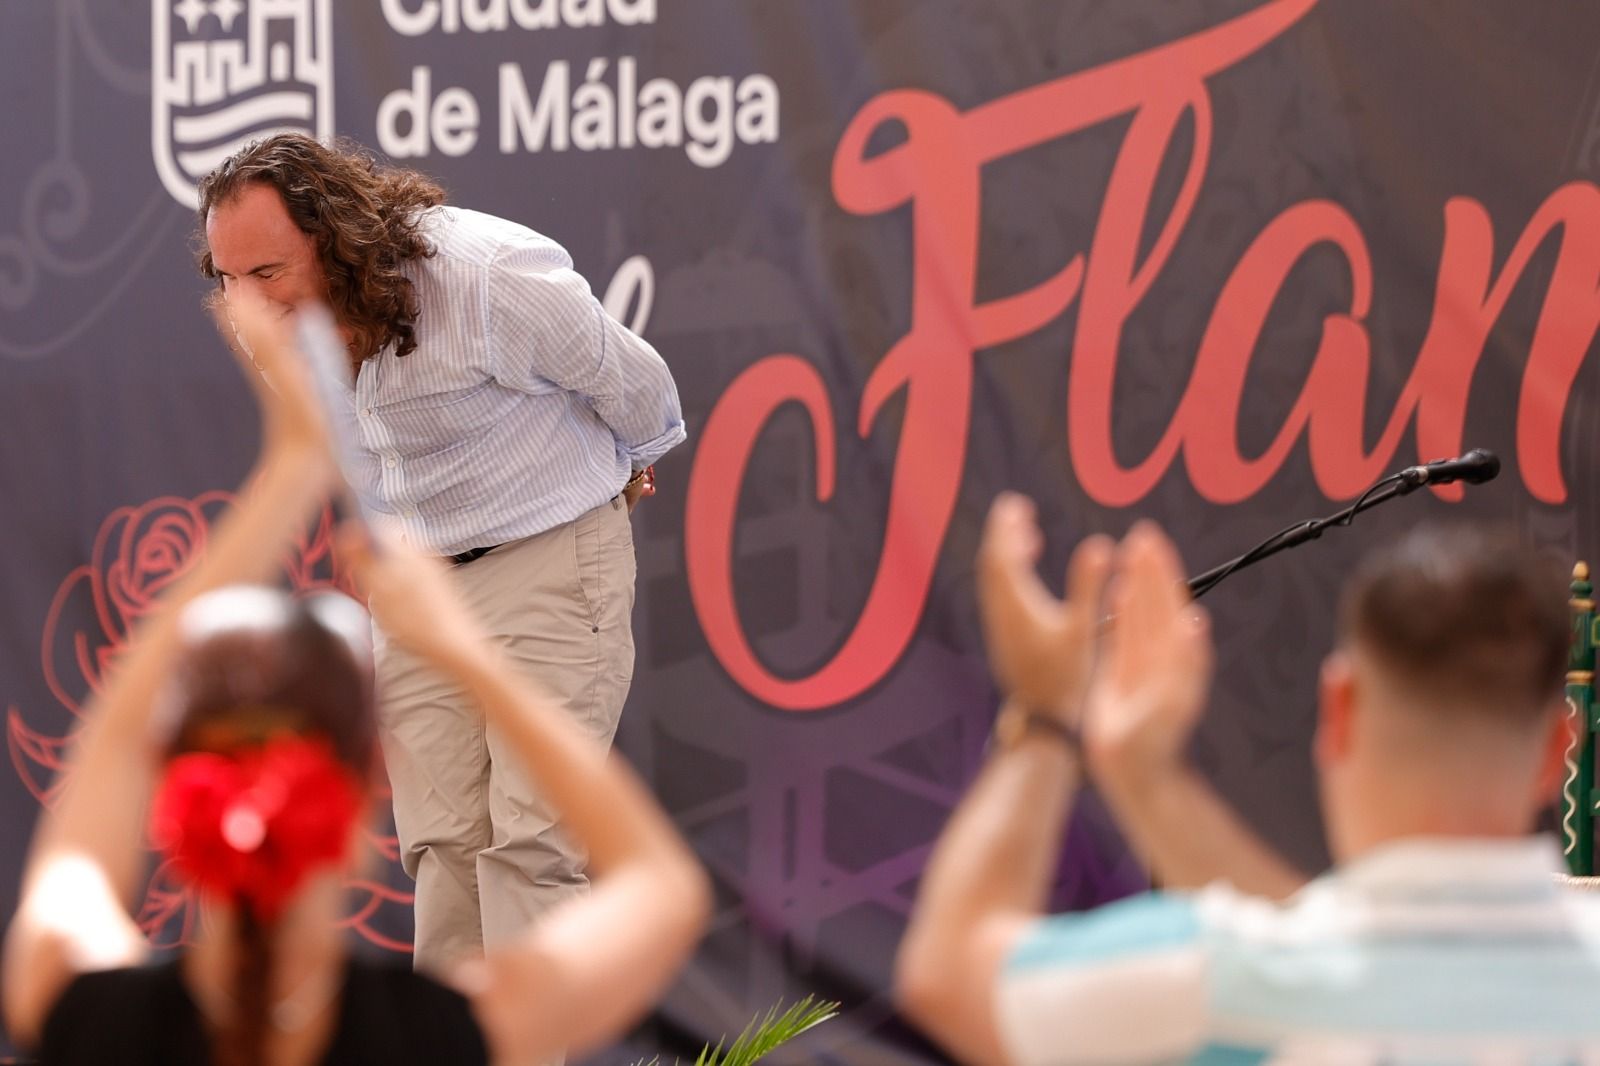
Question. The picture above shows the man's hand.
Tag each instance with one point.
(1151, 684)
(1041, 649)
(642, 484)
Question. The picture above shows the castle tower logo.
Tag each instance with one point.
(226, 72)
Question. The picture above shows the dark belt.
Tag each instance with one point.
(477, 553)
(470, 554)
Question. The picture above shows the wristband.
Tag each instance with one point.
(1016, 721)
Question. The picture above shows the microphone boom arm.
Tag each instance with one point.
(1297, 534)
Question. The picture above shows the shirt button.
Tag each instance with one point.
(410, 513)
(389, 463)
(366, 412)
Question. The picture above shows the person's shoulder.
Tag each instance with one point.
(1582, 909)
(1318, 911)
(397, 978)
(131, 1014)
(150, 981)
(420, 1013)
(477, 237)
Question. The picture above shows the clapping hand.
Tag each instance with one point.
(1041, 648)
(1155, 668)
(262, 341)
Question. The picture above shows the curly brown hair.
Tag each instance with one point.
(364, 218)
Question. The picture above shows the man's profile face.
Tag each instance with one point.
(256, 246)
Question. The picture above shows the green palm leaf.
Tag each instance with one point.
(763, 1034)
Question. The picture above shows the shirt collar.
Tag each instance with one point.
(1472, 866)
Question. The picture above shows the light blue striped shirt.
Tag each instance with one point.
(1440, 952)
(524, 404)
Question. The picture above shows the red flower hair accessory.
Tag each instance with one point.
(250, 825)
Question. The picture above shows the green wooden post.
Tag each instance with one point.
(1578, 795)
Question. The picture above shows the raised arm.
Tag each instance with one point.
(1147, 700)
(595, 962)
(990, 874)
(1187, 836)
(87, 857)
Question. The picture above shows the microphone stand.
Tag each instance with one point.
(1293, 536)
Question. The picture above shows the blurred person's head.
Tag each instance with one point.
(258, 662)
(1441, 709)
(295, 221)
(269, 758)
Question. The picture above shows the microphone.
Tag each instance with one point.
(1476, 467)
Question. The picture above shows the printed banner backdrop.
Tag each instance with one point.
(1222, 263)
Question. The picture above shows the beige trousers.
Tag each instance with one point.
(486, 851)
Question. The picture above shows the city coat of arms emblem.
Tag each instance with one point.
(226, 72)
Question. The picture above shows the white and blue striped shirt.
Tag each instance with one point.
(1441, 952)
(524, 404)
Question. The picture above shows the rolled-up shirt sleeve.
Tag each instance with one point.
(1124, 983)
(547, 331)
